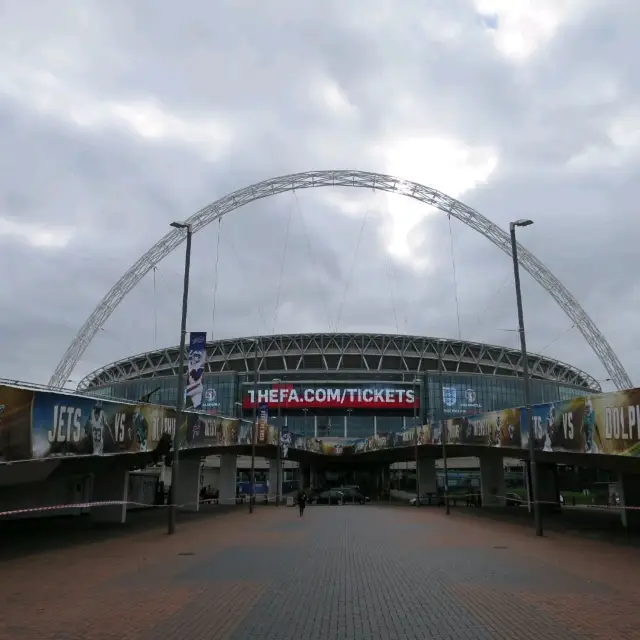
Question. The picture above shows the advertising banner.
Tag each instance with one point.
(195, 377)
(458, 398)
(337, 446)
(65, 424)
(244, 433)
(611, 423)
(210, 404)
(287, 396)
(492, 429)
(556, 426)
(285, 441)
(43, 424)
(15, 423)
(203, 430)
(262, 434)
(405, 438)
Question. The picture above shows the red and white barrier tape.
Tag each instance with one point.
(524, 501)
(258, 499)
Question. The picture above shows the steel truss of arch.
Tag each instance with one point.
(340, 178)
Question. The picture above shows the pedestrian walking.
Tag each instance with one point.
(302, 502)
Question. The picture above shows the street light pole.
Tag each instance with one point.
(173, 507)
(444, 435)
(537, 516)
(254, 424)
(416, 381)
(279, 459)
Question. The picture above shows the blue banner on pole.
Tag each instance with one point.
(195, 377)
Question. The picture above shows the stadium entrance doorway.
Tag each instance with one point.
(370, 478)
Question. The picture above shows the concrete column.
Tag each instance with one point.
(629, 489)
(188, 489)
(110, 486)
(306, 477)
(228, 475)
(547, 485)
(313, 476)
(274, 489)
(427, 476)
(492, 484)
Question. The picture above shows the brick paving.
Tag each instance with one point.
(338, 573)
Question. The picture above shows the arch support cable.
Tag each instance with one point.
(352, 179)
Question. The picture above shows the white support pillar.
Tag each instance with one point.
(315, 426)
(313, 476)
(547, 481)
(228, 475)
(188, 490)
(110, 485)
(629, 490)
(275, 488)
(375, 425)
(427, 475)
(345, 423)
(492, 484)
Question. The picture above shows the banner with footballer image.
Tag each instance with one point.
(194, 388)
(69, 424)
(337, 446)
(611, 423)
(15, 423)
(262, 433)
(47, 423)
(65, 424)
(557, 426)
(204, 430)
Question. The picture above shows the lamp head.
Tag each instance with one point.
(179, 225)
(521, 223)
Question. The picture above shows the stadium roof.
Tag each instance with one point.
(344, 352)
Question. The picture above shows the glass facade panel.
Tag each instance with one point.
(463, 394)
(359, 426)
(303, 424)
(385, 424)
(220, 391)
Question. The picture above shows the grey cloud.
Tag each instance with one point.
(254, 71)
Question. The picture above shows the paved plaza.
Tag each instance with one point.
(338, 573)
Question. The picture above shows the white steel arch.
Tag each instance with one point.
(340, 178)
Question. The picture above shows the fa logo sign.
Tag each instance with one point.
(449, 396)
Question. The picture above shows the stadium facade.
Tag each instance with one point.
(346, 384)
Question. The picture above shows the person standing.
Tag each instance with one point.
(302, 502)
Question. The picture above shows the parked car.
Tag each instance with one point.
(513, 500)
(353, 496)
(426, 499)
(332, 496)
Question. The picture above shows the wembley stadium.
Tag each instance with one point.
(346, 384)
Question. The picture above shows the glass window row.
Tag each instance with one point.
(449, 396)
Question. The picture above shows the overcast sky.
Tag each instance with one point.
(119, 116)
